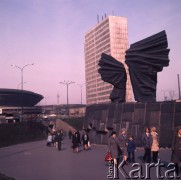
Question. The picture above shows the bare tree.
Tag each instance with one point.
(171, 94)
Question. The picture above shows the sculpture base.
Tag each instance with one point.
(102, 119)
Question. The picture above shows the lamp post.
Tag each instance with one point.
(179, 96)
(67, 83)
(81, 85)
(21, 69)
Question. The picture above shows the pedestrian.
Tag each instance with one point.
(146, 141)
(154, 144)
(131, 150)
(58, 139)
(53, 137)
(113, 147)
(49, 140)
(78, 136)
(70, 134)
(176, 149)
(75, 142)
(122, 138)
(85, 140)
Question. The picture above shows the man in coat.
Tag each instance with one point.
(113, 147)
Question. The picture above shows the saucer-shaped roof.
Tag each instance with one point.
(18, 98)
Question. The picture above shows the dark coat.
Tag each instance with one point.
(131, 146)
(113, 147)
(85, 139)
(176, 148)
(147, 141)
(75, 141)
(58, 137)
(122, 139)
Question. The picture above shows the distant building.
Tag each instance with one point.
(77, 112)
(111, 37)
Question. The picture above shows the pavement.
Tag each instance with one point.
(36, 161)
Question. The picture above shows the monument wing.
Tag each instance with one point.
(144, 59)
(113, 72)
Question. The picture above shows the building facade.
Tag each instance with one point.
(109, 36)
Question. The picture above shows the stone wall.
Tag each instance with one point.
(102, 119)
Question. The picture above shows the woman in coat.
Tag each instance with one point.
(75, 142)
(176, 148)
(154, 144)
(85, 140)
(146, 141)
(123, 143)
(113, 147)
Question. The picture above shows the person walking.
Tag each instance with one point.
(122, 138)
(49, 140)
(154, 144)
(75, 142)
(85, 140)
(131, 150)
(147, 141)
(113, 147)
(58, 139)
(70, 134)
(176, 149)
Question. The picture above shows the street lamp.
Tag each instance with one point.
(67, 83)
(179, 96)
(81, 85)
(21, 69)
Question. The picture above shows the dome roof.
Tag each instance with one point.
(18, 98)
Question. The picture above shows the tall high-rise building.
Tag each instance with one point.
(109, 36)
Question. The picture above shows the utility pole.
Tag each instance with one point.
(178, 87)
(81, 85)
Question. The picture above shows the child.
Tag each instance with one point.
(49, 140)
(58, 139)
(131, 150)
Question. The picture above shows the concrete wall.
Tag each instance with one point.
(102, 119)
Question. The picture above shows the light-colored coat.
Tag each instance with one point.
(176, 147)
(154, 144)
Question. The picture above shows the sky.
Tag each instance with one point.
(50, 34)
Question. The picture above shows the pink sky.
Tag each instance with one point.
(50, 34)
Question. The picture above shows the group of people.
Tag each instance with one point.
(123, 146)
(150, 143)
(55, 139)
(77, 140)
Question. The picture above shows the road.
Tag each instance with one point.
(36, 161)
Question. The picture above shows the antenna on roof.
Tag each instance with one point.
(112, 12)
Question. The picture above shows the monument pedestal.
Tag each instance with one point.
(102, 119)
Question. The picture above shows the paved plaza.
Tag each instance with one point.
(36, 161)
